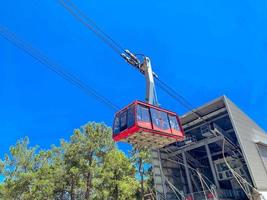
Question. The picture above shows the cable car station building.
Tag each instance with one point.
(222, 135)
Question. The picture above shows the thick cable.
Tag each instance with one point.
(235, 174)
(80, 16)
(178, 97)
(196, 172)
(173, 188)
(12, 38)
(94, 25)
(202, 185)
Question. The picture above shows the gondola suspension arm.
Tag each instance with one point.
(145, 68)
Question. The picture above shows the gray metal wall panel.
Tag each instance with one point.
(248, 133)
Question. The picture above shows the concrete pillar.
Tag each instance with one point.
(216, 182)
(187, 173)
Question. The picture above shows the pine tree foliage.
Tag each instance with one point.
(141, 159)
(87, 167)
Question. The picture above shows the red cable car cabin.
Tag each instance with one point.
(147, 125)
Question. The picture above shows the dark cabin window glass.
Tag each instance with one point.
(116, 125)
(123, 121)
(130, 117)
(159, 119)
(143, 117)
(143, 114)
(174, 123)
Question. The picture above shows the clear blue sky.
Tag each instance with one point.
(204, 49)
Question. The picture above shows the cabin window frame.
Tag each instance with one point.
(140, 110)
(177, 123)
(162, 116)
(133, 117)
(125, 123)
(116, 124)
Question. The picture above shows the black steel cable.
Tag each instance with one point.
(77, 13)
(12, 38)
(182, 100)
(178, 97)
(94, 24)
(80, 16)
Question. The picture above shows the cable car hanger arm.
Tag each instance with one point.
(145, 68)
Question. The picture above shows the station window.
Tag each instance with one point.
(228, 174)
(263, 154)
(220, 176)
(219, 168)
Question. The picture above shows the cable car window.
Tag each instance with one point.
(174, 123)
(160, 120)
(116, 125)
(219, 168)
(143, 116)
(123, 120)
(130, 117)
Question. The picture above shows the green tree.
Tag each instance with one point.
(88, 166)
(141, 158)
(26, 173)
(83, 156)
(117, 178)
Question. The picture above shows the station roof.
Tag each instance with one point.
(203, 110)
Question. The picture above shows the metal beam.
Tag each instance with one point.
(212, 166)
(193, 160)
(229, 130)
(212, 154)
(210, 120)
(197, 145)
(187, 173)
(205, 117)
